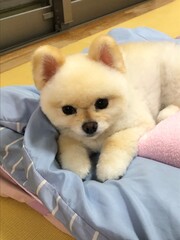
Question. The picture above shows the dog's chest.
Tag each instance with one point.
(93, 144)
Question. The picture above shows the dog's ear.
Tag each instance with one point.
(46, 61)
(104, 49)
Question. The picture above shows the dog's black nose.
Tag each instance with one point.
(90, 127)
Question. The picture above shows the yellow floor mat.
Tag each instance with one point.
(20, 222)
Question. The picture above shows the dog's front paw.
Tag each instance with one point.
(112, 166)
(78, 164)
(73, 156)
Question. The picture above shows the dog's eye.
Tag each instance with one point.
(101, 103)
(68, 110)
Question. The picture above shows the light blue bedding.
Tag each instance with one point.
(144, 204)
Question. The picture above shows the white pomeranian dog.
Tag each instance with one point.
(106, 100)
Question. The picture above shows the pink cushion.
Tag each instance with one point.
(163, 142)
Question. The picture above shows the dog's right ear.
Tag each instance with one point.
(46, 61)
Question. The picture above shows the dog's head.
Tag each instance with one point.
(82, 95)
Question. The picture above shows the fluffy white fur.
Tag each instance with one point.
(141, 82)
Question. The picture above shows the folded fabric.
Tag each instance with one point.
(12, 189)
(163, 142)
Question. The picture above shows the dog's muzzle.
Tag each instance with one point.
(90, 127)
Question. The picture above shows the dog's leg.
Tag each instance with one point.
(167, 112)
(73, 156)
(117, 153)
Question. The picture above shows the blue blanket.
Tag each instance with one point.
(144, 204)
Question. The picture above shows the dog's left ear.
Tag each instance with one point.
(45, 62)
(104, 49)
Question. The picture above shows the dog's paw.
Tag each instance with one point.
(112, 166)
(82, 172)
(80, 165)
(167, 112)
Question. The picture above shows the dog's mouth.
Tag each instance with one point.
(93, 129)
(93, 135)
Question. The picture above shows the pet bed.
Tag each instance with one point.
(144, 204)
